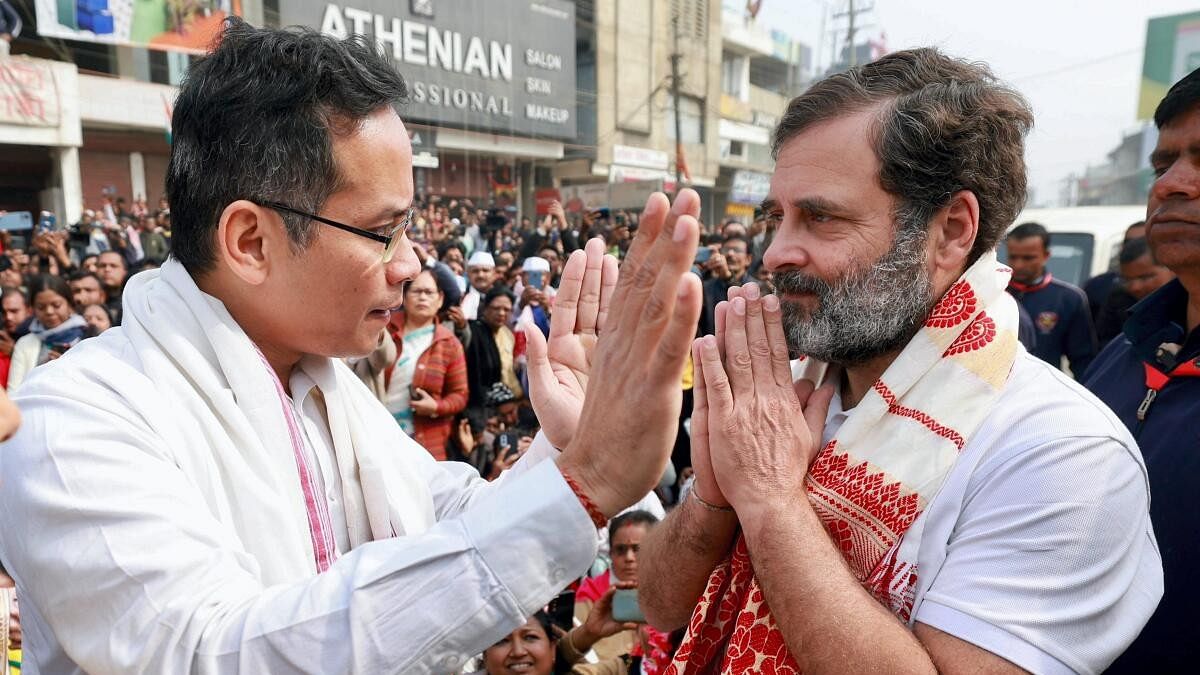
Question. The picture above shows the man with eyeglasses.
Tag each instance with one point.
(209, 489)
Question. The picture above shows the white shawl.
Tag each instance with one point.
(228, 432)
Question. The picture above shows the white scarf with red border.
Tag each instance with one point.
(871, 483)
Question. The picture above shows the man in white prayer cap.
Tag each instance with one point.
(481, 276)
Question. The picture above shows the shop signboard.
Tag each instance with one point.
(28, 93)
(1172, 51)
(643, 158)
(501, 66)
(158, 24)
(749, 187)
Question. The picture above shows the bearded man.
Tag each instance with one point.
(915, 493)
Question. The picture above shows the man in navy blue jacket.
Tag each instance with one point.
(1151, 379)
(10, 26)
(1059, 310)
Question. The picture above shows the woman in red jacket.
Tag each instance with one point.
(426, 386)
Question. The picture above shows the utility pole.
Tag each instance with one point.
(675, 57)
(850, 37)
(852, 29)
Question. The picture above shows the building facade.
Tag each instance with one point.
(512, 103)
(761, 70)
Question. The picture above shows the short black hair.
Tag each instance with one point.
(739, 237)
(124, 263)
(255, 119)
(638, 517)
(495, 292)
(9, 292)
(1133, 249)
(84, 274)
(1179, 99)
(1027, 230)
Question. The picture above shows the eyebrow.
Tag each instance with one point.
(821, 204)
(1163, 156)
(818, 204)
(388, 212)
(1166, 156)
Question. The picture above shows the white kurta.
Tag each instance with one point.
(149, 531)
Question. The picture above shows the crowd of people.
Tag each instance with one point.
(707, 432)
(451, 367)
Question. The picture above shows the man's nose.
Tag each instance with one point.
(1180, 181)
(404, 266)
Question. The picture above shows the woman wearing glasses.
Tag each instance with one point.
(426, 386)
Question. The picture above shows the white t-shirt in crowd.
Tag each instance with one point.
(1039, 546)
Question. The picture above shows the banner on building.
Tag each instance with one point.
(502, 66)
(1172, 51)
(544, 198)
(175, 25)
(28, 93)
(585, 197)
(424, 147)
(749, 187)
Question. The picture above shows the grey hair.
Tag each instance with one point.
(943, 125)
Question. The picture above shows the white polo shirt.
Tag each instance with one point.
(1039, 546)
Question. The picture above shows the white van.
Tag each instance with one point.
(1084, 240)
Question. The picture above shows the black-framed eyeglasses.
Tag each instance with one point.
(390, 241)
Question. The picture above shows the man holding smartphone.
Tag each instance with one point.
(536, 293)
(724, 267)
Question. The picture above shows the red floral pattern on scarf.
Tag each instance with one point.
(866, 512)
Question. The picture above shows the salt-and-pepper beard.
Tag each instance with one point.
(868, 312)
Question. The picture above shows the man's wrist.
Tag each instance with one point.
(589, 486)
(758, 515)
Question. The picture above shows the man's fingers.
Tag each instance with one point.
(588, 315)
(815, 413)
(677, 338)
(762, 370)
(647, 290)
(718, 396)
(738, 363)
(720, 311)
(699, 393)
(567, 302)
(651, 302)
(608, 285)
(781, 365)
(803, 389)
(649, 225)
(541, 375)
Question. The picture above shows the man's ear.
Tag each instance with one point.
(955, 229)
(247, 235)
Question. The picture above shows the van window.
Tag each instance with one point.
(1070, 256)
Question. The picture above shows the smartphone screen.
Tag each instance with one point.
(562, 610)
(625, 606)
(536, 279)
